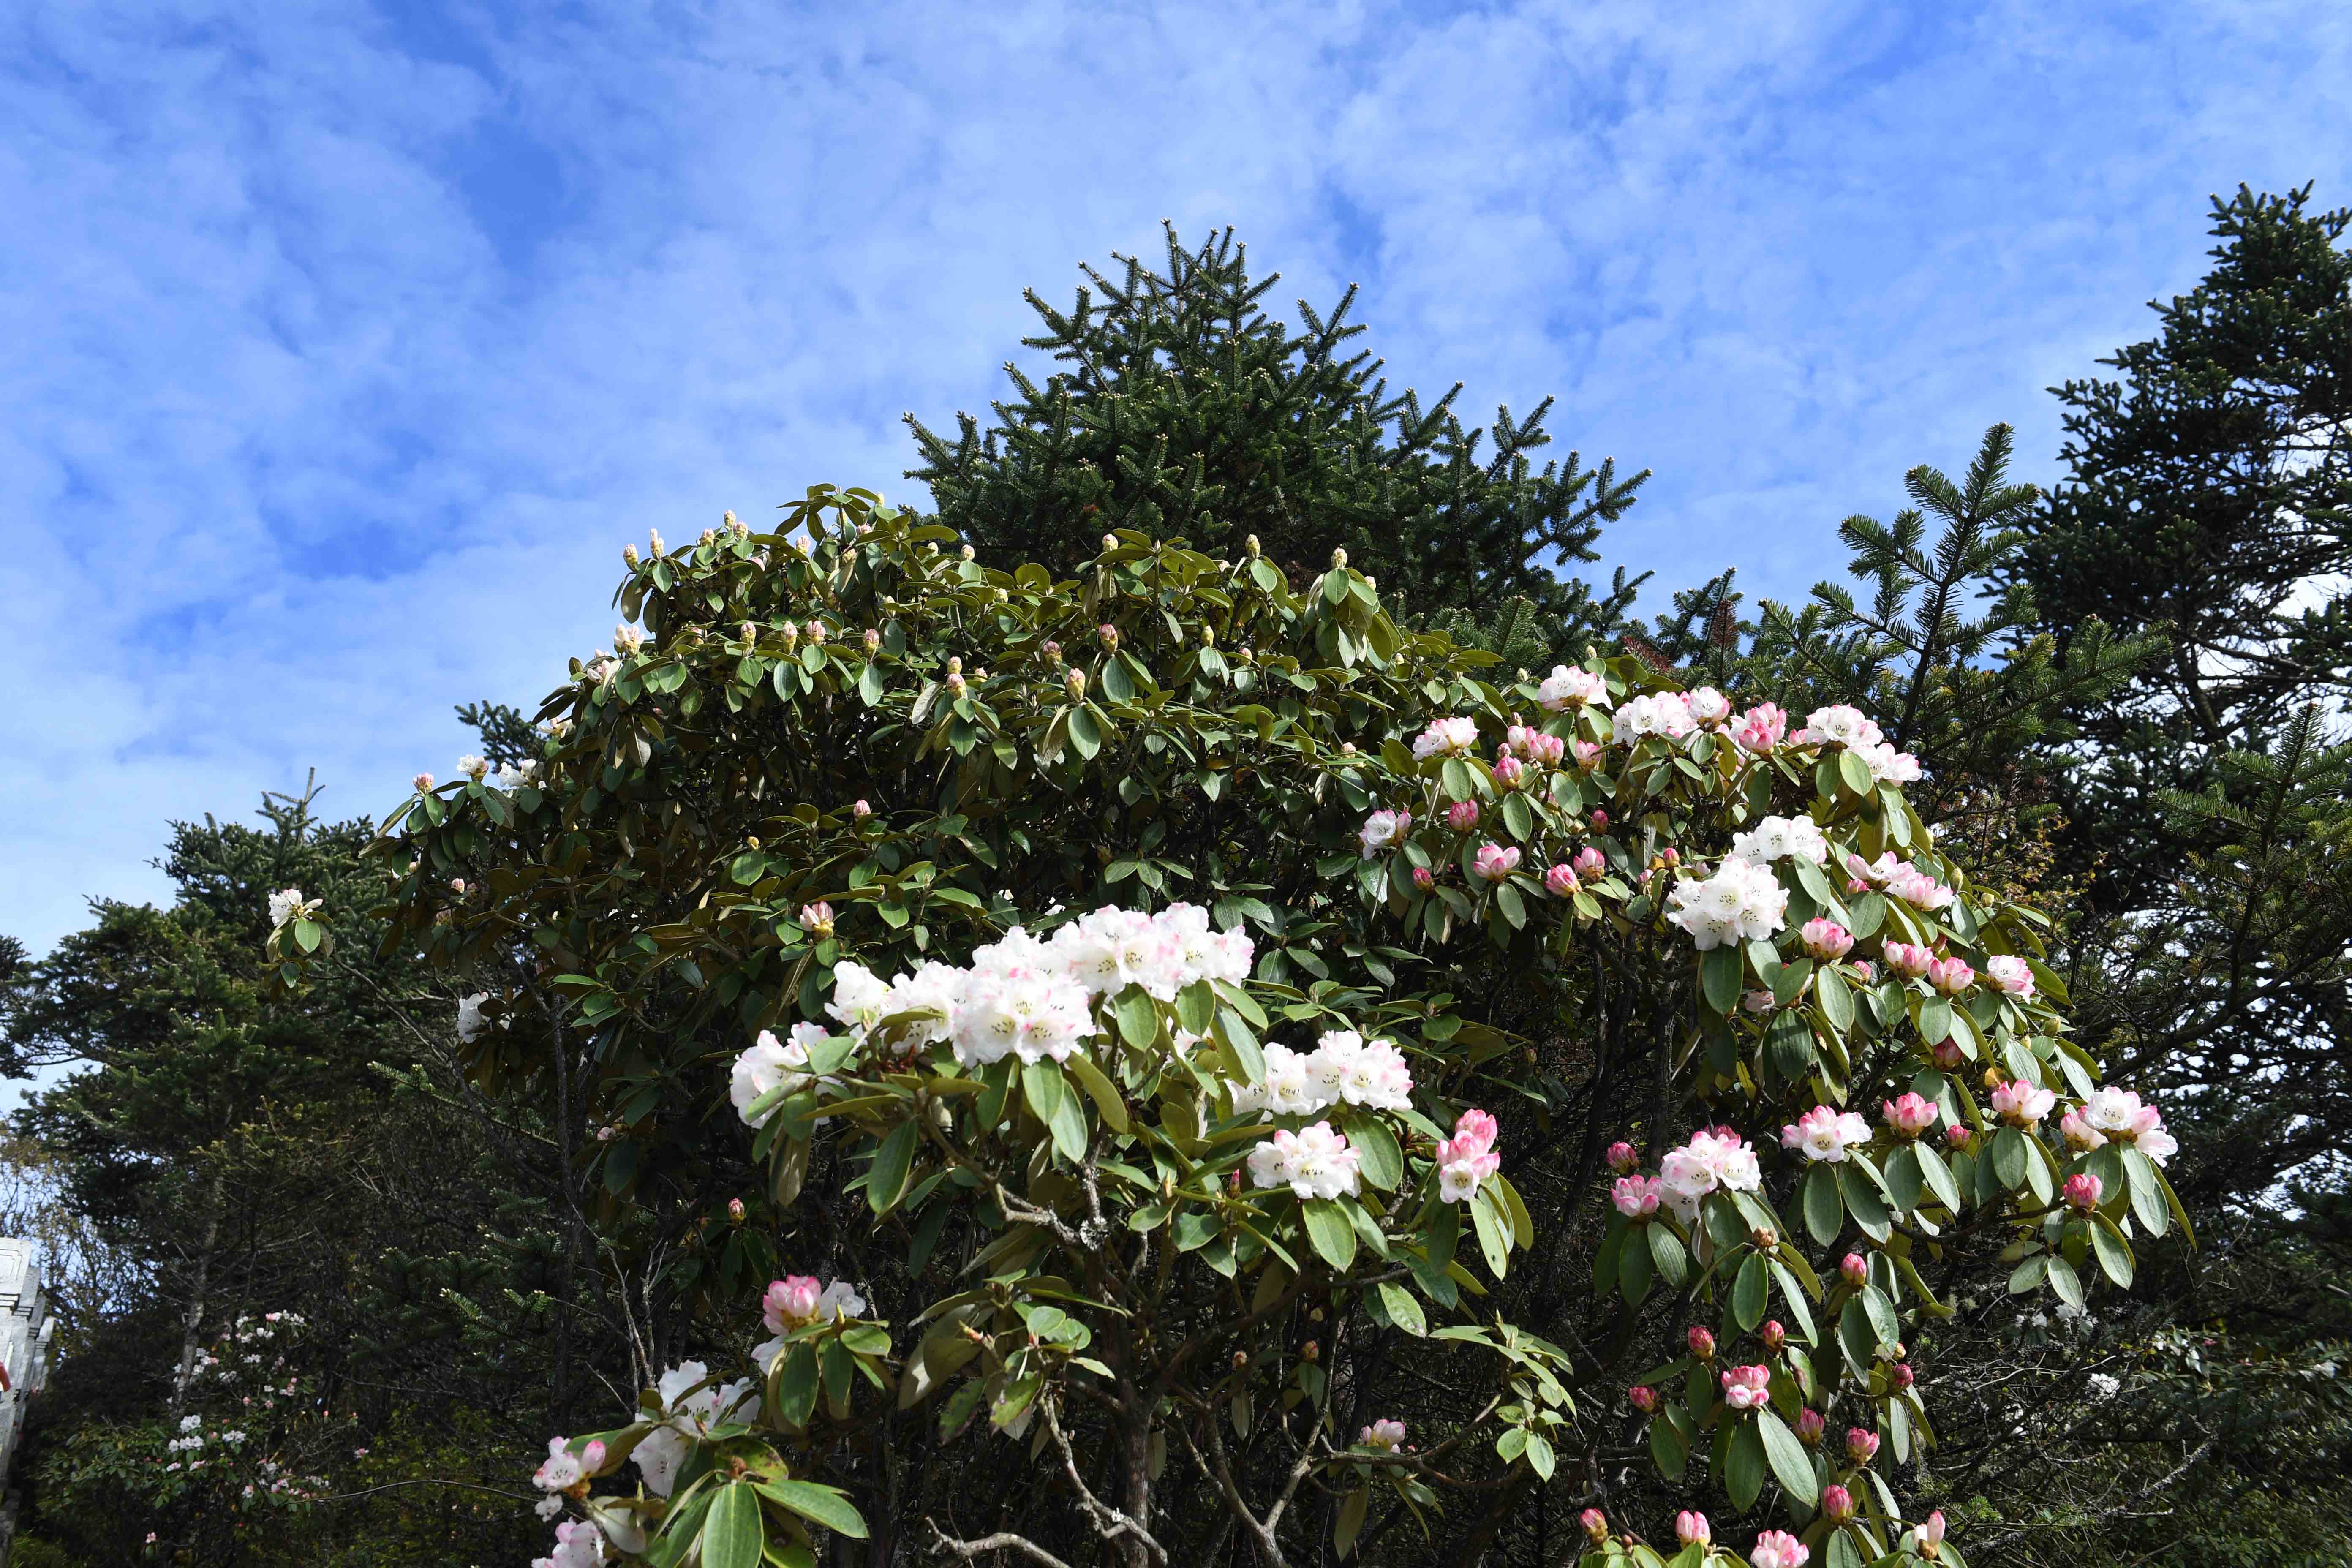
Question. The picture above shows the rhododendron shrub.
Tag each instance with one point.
(1099, 1062)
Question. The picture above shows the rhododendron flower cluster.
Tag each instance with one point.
(1824, 1134)
(1446, 737)
(1635, 1198)
(1314, 1163)
(1825, 939)
(1570, 687)
(1910, 1114)
(1742, 901)
(1780, 838)
(1383, 830)
(1494, 862)
(1715, 1157)
(1778, 1549)
(692, 1404)
(2118, 1116)
(1343, 1069)
(1665, 714)
(1386, 1434)
(1468, 1157)
(1462, 816)
(2021, 1103)
(1747, 1387)
(2012, 974)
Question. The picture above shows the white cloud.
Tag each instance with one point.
(342, 348)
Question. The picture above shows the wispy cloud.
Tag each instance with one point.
(343, 345)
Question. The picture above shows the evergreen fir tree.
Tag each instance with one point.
(1183, 408)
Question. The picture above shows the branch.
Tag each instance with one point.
(946, 1545)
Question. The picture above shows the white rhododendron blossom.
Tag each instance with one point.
(1709, 707)
(2012, 974)
(1826, 1135)
(578, 1544)
(1344, 1068)
(1570, 687)
(1665, 714)
(472, 1023)
(1383, 830)
(1917, 889)
(2120, 1116)
(1782, 838)
(1886, 764)
(1466, 1159)
(1314, 1161)
(1715, 1157)
(1742, 901)
(284, 905)
(770, 1064)
(689, 1410)
(1446, 737)
(1838, 725)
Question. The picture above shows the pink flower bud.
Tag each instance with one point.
(1108, 635)
(1622, 1157)
(1546, 749)
(873, 639)
(1907, 959)
(2020, 1103)
(790, 1302)
(1854, 1270)
(1600, 821)
(1509, 768)
(861, 811)
(735, 1210)
(1861, 1446)
(818, 918)
(1423, 878)
(1837, 1504)
(1778, 1549)
(1587, 755)
(1899, 1376)
(591, 1456)
(1774, 1335)
(1756, 1001)
(1945, 1054)
(423, 781)
(1809, 1427)
(1747, 1387)
(1950, 976)
(1560, 880)
(1866, 969)
(1701, 1343)
(1825, 939)
(1635, 1198)
(1596, 1525)
(1931, 1533)
(1670, 855)
(1910, 1114)
(1958, 1134)
(1645, 1400)
(1053, 652)
(1462, 816)
(1589, 864)
(2083, 1191)
(1494, 862)
(1691, 1529)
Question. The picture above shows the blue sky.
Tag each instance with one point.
(344, 344)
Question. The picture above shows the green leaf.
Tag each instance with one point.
(1331, 1232)
(1517, 817)
(1041, 1086)
(1824, 1214)
(1242, 1044)
(2009, 1157)
(2115, 1254)
(1098, 1088)
(886, 1182)
(2065, 1282)
(1068, 1124)
(1904, 1184)
(1719, 977)
(1863, 1201)
(1403, 1308)
(2147, 1192)
(818, 1505)
(1351, 1521)
(1939, 1177)
(1837, 1001)
(731, 1530)
(1377, 1155)
(1881, 1313)
(1666, 1252)
(1138, 1016)
(1492, 1241)
(1669, 1449)
(1743, 1467)
(1790, 1464)
(1750, 1292)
